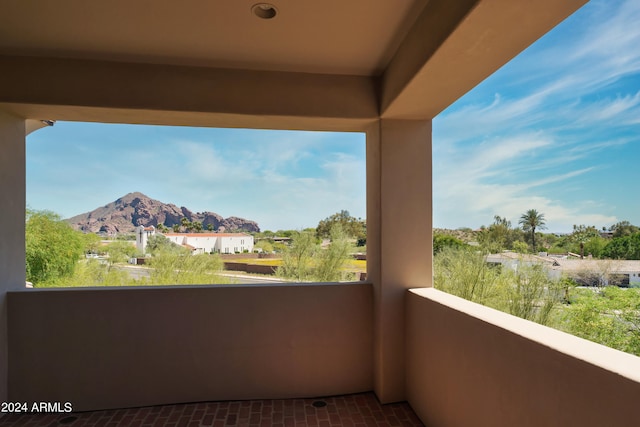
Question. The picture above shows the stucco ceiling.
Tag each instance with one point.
(356, 37)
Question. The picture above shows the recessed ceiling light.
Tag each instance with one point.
(264, 10)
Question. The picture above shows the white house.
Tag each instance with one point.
(225, 243)
(590, 272)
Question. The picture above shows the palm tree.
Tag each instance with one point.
(530, 220)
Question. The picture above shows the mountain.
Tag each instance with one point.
(134, 209)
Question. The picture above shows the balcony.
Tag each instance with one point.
(316, 66)
(465, 364)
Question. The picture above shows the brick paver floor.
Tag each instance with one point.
(357, 410)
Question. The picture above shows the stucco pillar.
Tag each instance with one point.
(399, 238)
(12, 207)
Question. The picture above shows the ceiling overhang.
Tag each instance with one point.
(364, 60)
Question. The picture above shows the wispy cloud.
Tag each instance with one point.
(282, 180)
(542, 132)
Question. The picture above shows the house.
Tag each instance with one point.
(199, 243)
(600, 272)
(384, 68)
(587, 272)
(513, 260)
(224, 243)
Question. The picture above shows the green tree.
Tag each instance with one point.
(626, 247)
(623, 228)
(355, 228)
(596, 246)
(157, 243)
(530, 294)
(498, 236)
(297, 259)
(520, 247)
(332, 259)
(463, 272)
(175, 268)
(441, 241)
(525, 292)
(196, 226)
(91, 242)
(120, 251)
(264, 244)
(582, 235)
(530, 221)
(53, 248)
(609, 316)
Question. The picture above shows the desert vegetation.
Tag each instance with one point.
(604, 312)
(55, 258)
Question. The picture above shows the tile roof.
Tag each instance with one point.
(208, 234)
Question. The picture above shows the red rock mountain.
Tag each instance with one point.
(134, 209)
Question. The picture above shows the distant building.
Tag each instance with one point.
(199, 243)
(142, 237)
(586, 272)
(225, 243)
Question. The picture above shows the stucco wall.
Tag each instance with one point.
(398, 210)
(469, 365)
(131, 347)
(12, 203)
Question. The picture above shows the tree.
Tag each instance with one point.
(304, 260)
(265, 245)
(623, 228)
(297, 260)
(520, 247)
(120, 251)
(530, 221)
(53, 248)
(525, 292)
(465, 273)
(531, 294)
(332, 259)
(441, 241)
(627, 247)
(91, 242)
(157, 243)
(608, 316)
(582, 235)
(176, 268)
(355, 228)
(498, 236)
(196, 226)
(596, 246)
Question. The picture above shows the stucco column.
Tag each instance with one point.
(12, 205)
(399, 238)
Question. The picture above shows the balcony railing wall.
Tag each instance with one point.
(472, 365)
(115, 348)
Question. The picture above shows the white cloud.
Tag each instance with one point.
(537, 138)
(488, 180)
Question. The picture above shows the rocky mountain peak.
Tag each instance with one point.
(133, 209)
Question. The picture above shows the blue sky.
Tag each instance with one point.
(557, 130)
(281, 179)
